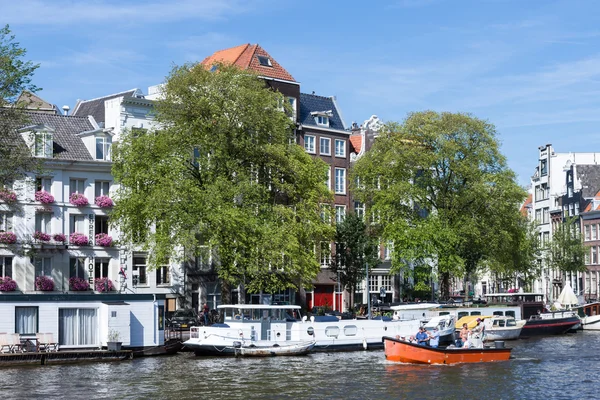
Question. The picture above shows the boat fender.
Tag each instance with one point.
(365, 343)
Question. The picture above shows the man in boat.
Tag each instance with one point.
(434, 338)
(464, 336)
(422, 337)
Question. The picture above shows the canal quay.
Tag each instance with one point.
(556, 367)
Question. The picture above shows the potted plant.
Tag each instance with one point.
(8, 196)
(41, 236)
(44, 197)
(103, 285)
(7, 284)
(102, 239)
(78, 284)
(59, 238)
(44, 283)
(78, 239)
(104, 201)
(78, 200)
(8, 238)
(113, 343)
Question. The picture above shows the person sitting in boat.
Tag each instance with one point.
(434, 338)
(463, 337)
(422, 337)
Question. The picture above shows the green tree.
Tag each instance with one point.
(15, 77)
(566, 251)
(356, 248)
(442, 191)
(223, 171)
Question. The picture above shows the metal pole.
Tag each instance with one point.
(368, 291)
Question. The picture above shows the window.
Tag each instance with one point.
(322, 120)
(359, 209)
(576, 208)
(101, 224)
(546, 238)
(6, 221)
(350, 330)
(43, 266)
(44, 184)
(139, 271)
(101, 267)
(325, 254)
(264, 61)
(546, 215)
(76, 186)
(43, 144)
(387, 251)
(544, 167)
(292, 103)
(77, 267)
(594, 255)
(26, 320)
(340, 148)
(340, 214)
(103, 148)
(6, 266)
(43, 222)
(386, 282)
(373, 283)
(102, 188)
(78, 327)
(587, 257)
(325, 213)
(163, 275)
(325, 146)
(594, 232)
(587, 233)
(570, 190)
(328, 181)
(76, 223)
(332, 331)
(538, 216)
(309, 143)
(340, 181)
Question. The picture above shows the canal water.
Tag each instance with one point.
(558, 367)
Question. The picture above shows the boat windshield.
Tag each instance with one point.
(258, 314)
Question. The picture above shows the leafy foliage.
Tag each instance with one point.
(224, 171)
(566, 251)
(443, 192)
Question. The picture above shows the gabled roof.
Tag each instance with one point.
(67, 145)
(35, 103)
(589, 178)
(593, 204)
(356, 143)
(311, 103)
(95, 107)
(246, 57)
(526, 205)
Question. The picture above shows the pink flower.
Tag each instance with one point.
(7, 284)
(78, 284)
(78, 239)
(103, 285)
(44, 283)
(8, 196)
(104, 201)
(102, 239)
(59, 237)
(8, 238)
(78, 200)
(44, 197)
(41, 236)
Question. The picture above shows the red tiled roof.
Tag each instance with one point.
(356, 142)
(591, 204)
(525, 205)
(245, 57)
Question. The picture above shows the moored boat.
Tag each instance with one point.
(497, 327)
(445, 326)
(590, 316)
(398, 350)
(550, 323)
(268, 349)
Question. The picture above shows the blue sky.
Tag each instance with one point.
(532, 68)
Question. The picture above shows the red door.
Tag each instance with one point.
(323, 296)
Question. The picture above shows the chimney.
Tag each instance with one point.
(66, 110)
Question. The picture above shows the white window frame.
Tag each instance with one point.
(101, 188)
(292, 102)
(43, 183)
(6, 268)
(328, 181)
(323, 139)
(43, 222)
(340, 180)
(77, 223)
(340, 148)
(103, 147)
(163, 270)
(43, 266)
(388, 249)
(43, 146)
(76, 185)
(594, 232)
(322, 120)
(359, 209)
(340, 213)
(77, 267)
(101, 267)
(309, 144)
(6, 221)
(325, 254)
(139, 267)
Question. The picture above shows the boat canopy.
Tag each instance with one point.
(417, 306)
(567, 298)
(470, 320)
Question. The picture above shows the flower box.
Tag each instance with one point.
(78, 239)
(102, 239)
(78, 284)
(78, 200)
(103, 285)
(59, 238)
(8, 238)
(44, 197)
(113, 346)
(7, 284)
(44, 283)
(8, 196)
(41, 236)
(104, 201)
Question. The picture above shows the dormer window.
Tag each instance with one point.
(103, 145)
(43, 144)
(322, 118)
(264, 61)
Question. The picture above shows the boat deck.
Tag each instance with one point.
(62, 357)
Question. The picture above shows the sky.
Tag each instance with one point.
(530, 67)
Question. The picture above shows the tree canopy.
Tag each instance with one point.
(566, 251)
(15, 77)
(223, 170)
(444, 195)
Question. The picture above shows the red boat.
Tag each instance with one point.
(402, 351)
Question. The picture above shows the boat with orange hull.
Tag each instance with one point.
(402, 351)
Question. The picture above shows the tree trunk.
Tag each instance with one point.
(445, 285)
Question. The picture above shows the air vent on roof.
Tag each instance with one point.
(264, 61)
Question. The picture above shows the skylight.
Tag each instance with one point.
(264, 61)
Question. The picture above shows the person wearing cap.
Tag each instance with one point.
(434, 337)
(422, 337)
(480, 328)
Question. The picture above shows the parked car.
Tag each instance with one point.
(184, 318)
